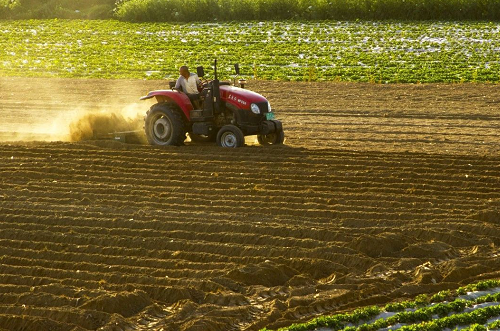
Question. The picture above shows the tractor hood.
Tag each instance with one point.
(239, 97)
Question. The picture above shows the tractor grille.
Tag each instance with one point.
(263, 106)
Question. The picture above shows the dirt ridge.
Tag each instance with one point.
(381, 193)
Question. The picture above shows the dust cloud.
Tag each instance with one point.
(77, 125)
(71, 110)
(97, 124)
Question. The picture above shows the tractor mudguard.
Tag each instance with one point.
(268, 127)
(278, 125)
(179, 98)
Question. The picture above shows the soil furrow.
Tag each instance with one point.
(380, 193)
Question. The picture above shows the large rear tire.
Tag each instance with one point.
(164, 126)
(276, 138)
(230, 136)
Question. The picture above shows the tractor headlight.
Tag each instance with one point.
(255, 109)
(269, 109)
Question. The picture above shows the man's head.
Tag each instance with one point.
(184, 71)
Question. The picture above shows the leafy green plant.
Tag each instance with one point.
(480, 286)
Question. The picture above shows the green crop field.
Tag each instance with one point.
(380, 52)
(473, 307)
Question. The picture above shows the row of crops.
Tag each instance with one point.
(380, 52)
(473, 307)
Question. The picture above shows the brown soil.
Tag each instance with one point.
(381, 192)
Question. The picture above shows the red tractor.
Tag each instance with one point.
(228, 113)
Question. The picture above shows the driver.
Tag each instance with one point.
(188, 83)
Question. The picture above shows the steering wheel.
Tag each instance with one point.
(204, 83)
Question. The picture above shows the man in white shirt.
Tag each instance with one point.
(188, 83)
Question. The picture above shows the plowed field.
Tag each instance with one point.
(380, 193)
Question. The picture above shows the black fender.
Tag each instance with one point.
(272, 126)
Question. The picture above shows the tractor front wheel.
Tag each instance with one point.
(164, 126)
(276, 138)
(230, 136)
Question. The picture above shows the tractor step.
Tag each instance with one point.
(200, 115)
(130, 137)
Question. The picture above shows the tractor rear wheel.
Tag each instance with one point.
(230, 136)
(276, 138)
(164, 126)
(199, 138)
